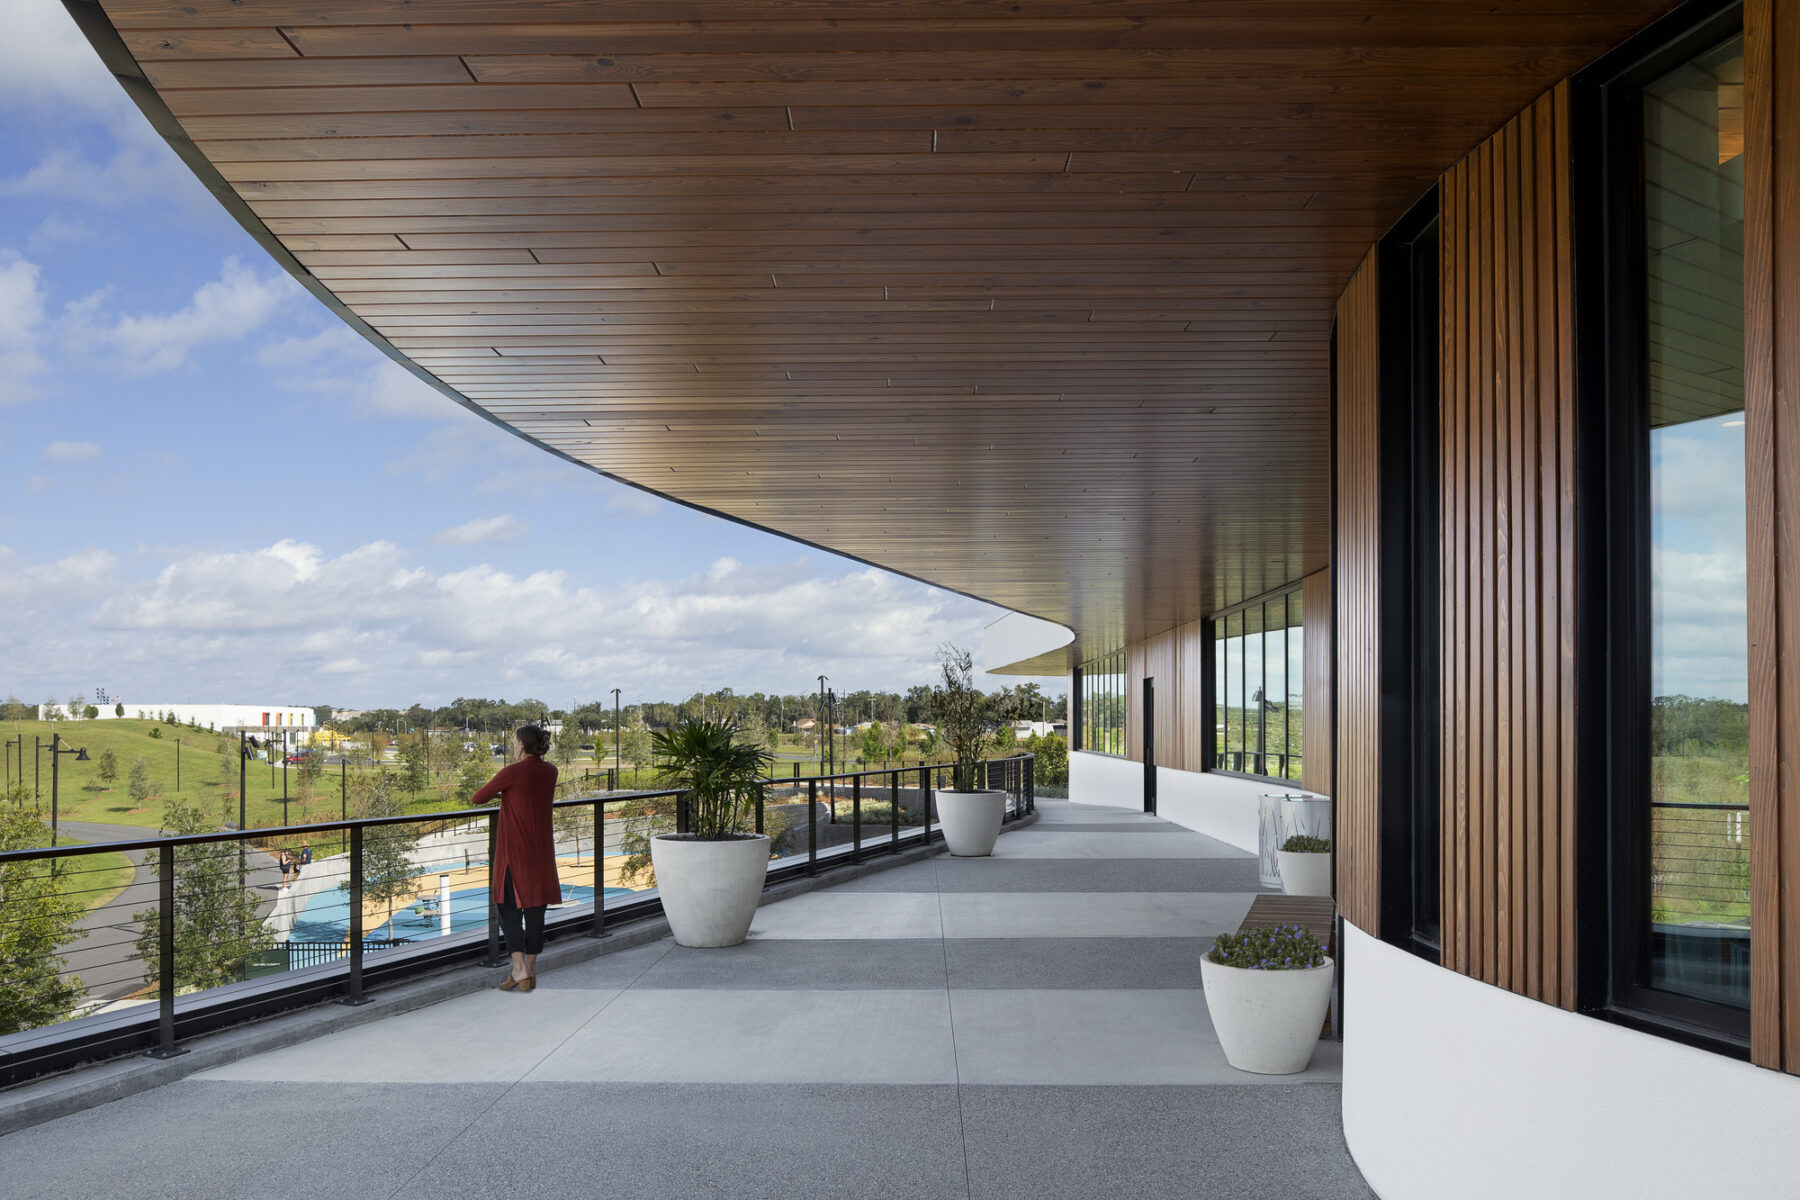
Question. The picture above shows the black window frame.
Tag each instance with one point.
(1613, 537)
(1212, 695)
(1409, 325)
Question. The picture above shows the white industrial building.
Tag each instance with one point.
(218, 716)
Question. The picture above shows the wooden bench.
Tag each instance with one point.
(1315, 913)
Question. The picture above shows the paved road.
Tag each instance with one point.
(106, 959)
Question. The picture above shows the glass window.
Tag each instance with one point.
(1103, 704)
(1257, 660)
(1699, 868)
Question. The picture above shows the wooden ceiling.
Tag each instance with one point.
(1027, 298)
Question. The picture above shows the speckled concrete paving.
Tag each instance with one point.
(1026, 1026)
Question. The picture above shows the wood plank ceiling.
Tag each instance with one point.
(1028, 298)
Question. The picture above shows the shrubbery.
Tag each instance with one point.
(1271, 948)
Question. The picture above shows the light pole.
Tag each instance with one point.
(56, 754)
(178, 766)
(618, 763)
(819, 734)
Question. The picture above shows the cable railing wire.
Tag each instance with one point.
(204, 930)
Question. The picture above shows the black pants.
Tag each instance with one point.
(523, 927)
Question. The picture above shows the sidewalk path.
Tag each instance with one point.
(1026, 1027)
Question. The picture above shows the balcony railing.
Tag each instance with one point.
(407, 895)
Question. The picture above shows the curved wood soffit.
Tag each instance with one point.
(1031, 301)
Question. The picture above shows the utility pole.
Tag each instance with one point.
(178, 766)
(819, 734)
(284, 798)
(618, 763)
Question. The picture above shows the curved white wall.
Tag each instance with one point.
(1456, 1089)
(1017, 637)
(1217, 805)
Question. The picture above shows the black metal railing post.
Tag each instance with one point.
(599, 929)
(165, 956)
(1031, 784)
(856, 819)
(925, 800)
(759, 811)
(494, 886)
(894, 811)
(812, 826)
(681, 813)
(353, 994)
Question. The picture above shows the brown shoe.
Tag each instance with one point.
(528, 984)
(509, 983)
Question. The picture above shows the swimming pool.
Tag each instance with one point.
(326, 917)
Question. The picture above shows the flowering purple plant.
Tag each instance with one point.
(1269, 948)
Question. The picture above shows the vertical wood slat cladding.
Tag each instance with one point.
(1772, 448)
(1178, 660)
(1356, 576)
(1318, 702)
(1506, 499)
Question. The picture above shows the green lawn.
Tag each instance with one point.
(95, 878)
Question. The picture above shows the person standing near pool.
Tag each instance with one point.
(522, 877)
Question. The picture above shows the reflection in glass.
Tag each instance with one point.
(1257, 665)
(1699, 727)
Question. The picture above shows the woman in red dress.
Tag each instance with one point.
(522, 876)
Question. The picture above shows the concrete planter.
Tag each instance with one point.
(1268, 1021)
(710, 889)
(1305, 874)
(971, 821)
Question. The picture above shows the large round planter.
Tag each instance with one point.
(971, 821)
(1305, 874)
(1267, 1021)
(709, 889)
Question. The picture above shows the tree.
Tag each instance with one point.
(216, 926)
(139, 785)
(962, 712)
(90, 713)
(40, 921)
(575, 823)
(1052, 760)
(874, 743)
(568, 743)
(634, 743)
(1005, 739)
(108, 766)
(388, 873)
(15, 709)
(475, 772)
(50, 711)
(322, 714)
(76, 707)
(118, 710)
(412, 763)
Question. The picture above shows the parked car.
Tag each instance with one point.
(297, 758)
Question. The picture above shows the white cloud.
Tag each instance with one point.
(21, 328)
(54, 231)
(69, 452)
(630, 502)
(48, 69)
(483, 531)
(370, 627)
(228, 308)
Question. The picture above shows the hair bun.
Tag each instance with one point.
(534, 738)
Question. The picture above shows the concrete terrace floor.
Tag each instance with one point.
(1028, 1026)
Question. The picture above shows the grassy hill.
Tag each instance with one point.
(207, 776)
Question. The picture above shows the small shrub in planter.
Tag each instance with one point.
(1271, 948)
(1267, 991)
(1305, 865)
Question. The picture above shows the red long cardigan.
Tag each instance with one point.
(526, 843)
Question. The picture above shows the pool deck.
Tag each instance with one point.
(1025, 1026)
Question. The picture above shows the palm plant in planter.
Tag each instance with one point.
(971, 817)
(710, 872)
(1267, 991)
(1305, 864)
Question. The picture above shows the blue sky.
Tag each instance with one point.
(217, 492)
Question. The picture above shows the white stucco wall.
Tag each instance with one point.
(1017, 637)
(1455, 1088)
(1216, 805)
